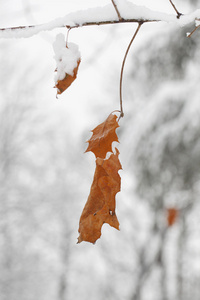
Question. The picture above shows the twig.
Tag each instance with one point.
(191, 33)
(117, 11)
(176, 10)
(42, 27)
(122, 68)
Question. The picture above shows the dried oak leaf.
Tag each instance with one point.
(100, 206)
(63, 84)
(172, 214)
(103, 136)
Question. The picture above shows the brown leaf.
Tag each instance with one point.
(172, 214)
(100, 206)
(103, 136)
(63, 84)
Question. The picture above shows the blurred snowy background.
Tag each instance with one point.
(46, 177)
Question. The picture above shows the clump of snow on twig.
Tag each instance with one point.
(66, 56)
(197, 23)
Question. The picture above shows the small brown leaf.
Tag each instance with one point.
(63, 84)
(103, 136)
(172, 214)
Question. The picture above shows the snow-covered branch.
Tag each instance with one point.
(129, 12)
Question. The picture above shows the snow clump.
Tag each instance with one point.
(66, 56)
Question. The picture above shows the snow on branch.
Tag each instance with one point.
(129, 13)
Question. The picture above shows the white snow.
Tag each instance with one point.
(66, 57)
(129, 10)
(197, 23)
(190, 18)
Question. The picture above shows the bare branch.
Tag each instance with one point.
(117, 11)
(176, 10)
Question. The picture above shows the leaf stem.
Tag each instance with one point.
(122, 68)
(67, 37)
